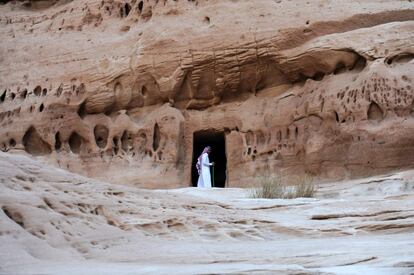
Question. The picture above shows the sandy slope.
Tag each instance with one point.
(56, 222)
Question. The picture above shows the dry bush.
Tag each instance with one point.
(272, 187)
(305, 188)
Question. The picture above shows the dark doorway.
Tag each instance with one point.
(216, 140)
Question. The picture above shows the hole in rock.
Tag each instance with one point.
(58, 143)
(59, 90)
(340, 68)
(336, 117)
(360, 64)
(318, 76)
(12, 142)
(41, 107)
(216, 140)
(374, 112)
(75, 142)
(144, 91)
(127, 9)
(140, 6)
(101, 135)
(80, 89)
(37, 91)
(156, 137)
(400, 58)
(82, 110)
(279, 136)
(127, 141)
(3, 96)
(34, 144)
(115, 145)
(12, 95)
(44, 92)
(23, 95)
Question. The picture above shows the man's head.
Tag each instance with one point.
(208, 149)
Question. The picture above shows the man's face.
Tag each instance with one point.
(209, 150)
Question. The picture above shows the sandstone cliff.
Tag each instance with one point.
(118, 89)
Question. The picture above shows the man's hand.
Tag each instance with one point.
(212, 163)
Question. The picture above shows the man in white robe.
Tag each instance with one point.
(203, 167)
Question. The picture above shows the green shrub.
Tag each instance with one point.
(272, 187)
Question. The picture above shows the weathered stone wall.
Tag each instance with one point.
(116, 89)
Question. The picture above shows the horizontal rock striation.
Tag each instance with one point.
(117, 89)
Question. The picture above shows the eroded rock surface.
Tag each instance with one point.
(56, 222)
(117, 89)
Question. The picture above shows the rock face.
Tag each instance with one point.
(127, 90)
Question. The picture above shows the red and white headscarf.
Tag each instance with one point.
(199, 160)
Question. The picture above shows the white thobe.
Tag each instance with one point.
(204, 179)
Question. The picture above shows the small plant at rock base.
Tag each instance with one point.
(272, 187)
(305, 188)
